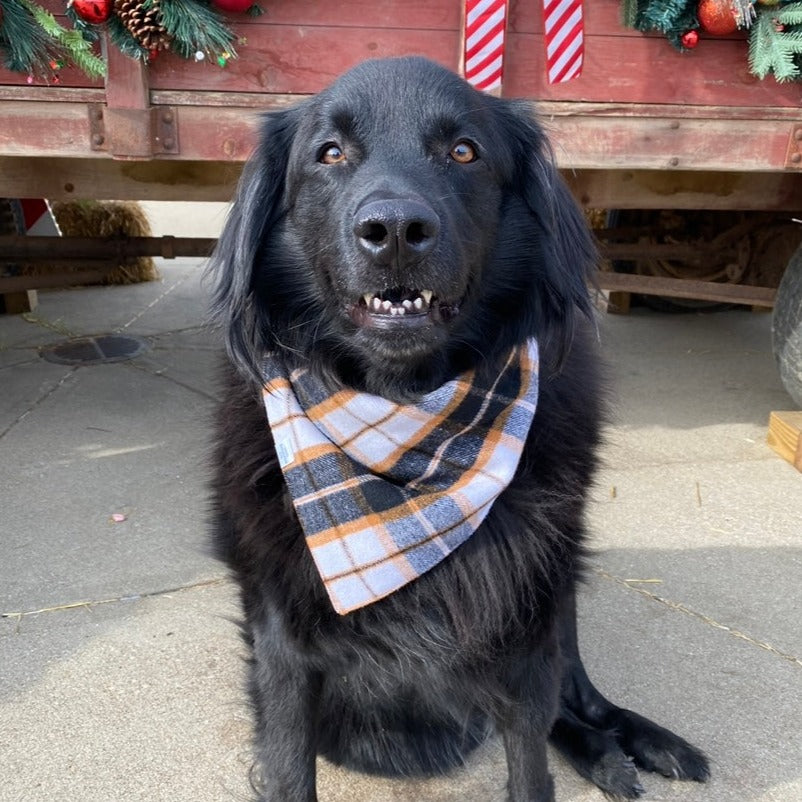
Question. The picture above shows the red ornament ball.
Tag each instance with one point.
(690, 39)
(234, 6)
(716, 17)
(93, 11)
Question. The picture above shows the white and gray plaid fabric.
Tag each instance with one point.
(385, 491)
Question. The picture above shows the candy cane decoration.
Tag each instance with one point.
(485, 24)
(565, 47)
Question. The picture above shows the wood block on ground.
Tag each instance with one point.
(785, 436)
(15, 303)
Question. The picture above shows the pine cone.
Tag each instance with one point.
(143, 19)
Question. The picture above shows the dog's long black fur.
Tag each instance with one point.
(487, 639)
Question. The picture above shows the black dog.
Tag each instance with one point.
(390, 234)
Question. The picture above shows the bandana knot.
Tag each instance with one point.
(385, 491)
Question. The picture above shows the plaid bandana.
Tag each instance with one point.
(385, 491)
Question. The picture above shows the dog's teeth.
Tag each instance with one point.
(418, 304)
(395, 310)
(427, 296)
(376, 303)
(367, 298)
(386, 306)
(407, 304)
(399, 310)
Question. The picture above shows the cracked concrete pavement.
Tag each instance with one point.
(120, 665)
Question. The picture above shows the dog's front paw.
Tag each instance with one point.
(657, 749)
(617, 776)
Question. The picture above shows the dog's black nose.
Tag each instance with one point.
(396, 230)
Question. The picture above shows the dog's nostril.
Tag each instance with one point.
(375, 233)
(415, 233)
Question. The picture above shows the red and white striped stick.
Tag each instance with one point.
(565, 47)
(485, 25)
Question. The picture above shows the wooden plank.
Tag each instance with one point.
(418, 14)
(105, 179)
(683, 189)
(258, 101)
(785, 436)
(298, 46)
(686, 288)
(118, 250)
(633, 143)
(303, 59)
(640, 71)
(126, 81)
(61, 93)
(22, 285)
(629, 143)
(548, 109)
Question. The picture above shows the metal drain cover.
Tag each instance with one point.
(95, 350)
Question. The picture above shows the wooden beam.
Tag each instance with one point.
(785, 436)
(18, 301)
(615, 142)
(685, 189)
(115, 249)
(104, 179)
(686, 288)
(20, 285)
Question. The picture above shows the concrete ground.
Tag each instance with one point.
(120, 667)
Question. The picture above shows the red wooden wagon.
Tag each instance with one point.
(645, 127)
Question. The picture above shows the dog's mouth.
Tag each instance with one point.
(402, 307)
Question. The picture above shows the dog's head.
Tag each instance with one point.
(397, 228)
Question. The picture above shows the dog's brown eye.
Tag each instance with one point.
(332, 154)
(464, 153)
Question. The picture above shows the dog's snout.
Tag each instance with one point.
(396, 230)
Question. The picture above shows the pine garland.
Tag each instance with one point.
(773, 48)
(72, 44)
(25, 46)
(32, 41)
(197, 27)
(775, 35)
(670, 17)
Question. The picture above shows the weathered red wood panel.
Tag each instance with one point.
(298, 46)
(303, 59)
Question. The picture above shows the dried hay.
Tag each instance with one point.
(101, 219)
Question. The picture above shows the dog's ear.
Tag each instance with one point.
(567, 257)
(257, 206)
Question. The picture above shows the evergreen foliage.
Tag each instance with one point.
(196, 27)
(33, 41)
(775, 37)
(775, 45)
(24, 44)
(70, 43)
(670, 17)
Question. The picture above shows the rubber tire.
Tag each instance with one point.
(786, 328)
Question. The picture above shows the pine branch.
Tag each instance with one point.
(197, 27)
(73, 45)
(663, 15)
(790, 14)
(25, 45)
(88, 31)
(774, 49)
